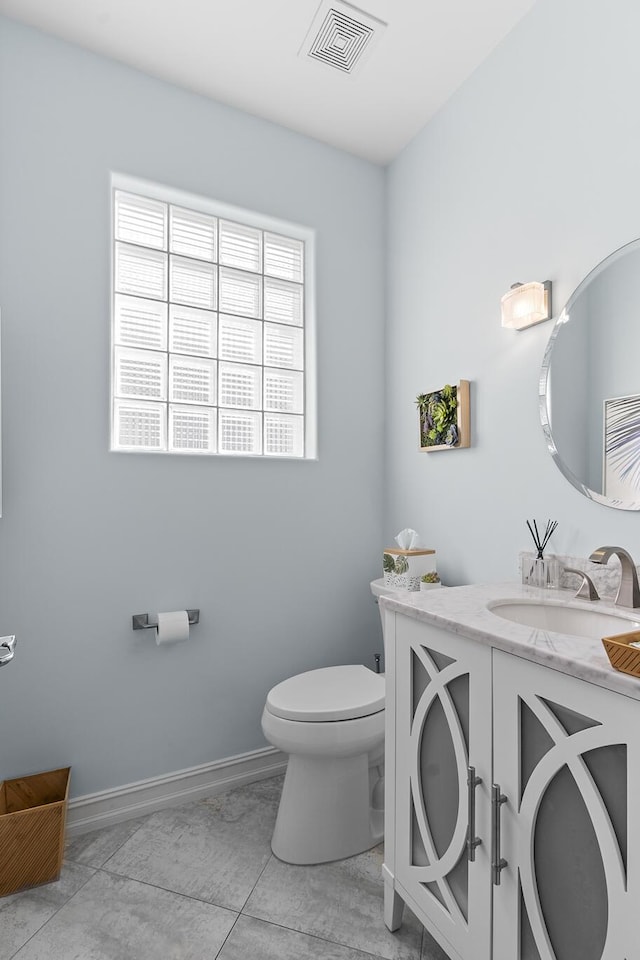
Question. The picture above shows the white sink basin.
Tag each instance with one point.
(561, 618)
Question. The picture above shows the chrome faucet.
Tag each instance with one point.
(628, 592)
(587, 589)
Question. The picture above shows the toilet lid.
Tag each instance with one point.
(332, 693)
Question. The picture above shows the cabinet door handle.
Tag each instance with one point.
(472, 840)
(498, 863)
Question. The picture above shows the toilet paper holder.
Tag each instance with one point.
(144, 621)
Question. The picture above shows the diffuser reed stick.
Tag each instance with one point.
(539, 541)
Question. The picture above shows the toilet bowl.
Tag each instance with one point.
(331, 723)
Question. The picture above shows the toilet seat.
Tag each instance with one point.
(328, 694)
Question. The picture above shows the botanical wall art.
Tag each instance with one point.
(621, 470)
(444, 418)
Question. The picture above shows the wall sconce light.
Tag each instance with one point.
(526, 304)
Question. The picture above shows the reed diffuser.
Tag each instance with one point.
(542, 571)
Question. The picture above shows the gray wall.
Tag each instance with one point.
(277, 555)
(530, 172)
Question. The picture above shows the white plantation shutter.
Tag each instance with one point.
(210, 328)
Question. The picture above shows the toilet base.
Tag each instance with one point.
(320, 817)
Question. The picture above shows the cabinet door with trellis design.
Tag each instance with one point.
(566, 770)
(443, 774)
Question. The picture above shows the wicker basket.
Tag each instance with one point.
(33, 812)
(622, 656)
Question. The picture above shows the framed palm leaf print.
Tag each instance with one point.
(621, 467)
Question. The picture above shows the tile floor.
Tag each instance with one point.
(199, 882)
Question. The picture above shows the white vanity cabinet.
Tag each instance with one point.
(512, 804)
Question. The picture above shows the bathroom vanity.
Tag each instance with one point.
(512, 820)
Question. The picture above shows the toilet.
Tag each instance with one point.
(331, 723)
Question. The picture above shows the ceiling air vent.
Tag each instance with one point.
(340, 35)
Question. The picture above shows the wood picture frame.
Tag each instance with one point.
(460, 419)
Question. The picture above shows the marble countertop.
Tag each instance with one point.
(464, 610)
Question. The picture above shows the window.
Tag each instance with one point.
(211, 328)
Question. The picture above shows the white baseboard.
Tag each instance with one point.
(104, 809)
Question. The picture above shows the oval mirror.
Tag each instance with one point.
(590, 383)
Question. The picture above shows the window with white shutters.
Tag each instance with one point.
(212, 328)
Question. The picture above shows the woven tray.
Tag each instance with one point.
(622, 656)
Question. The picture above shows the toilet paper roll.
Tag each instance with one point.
(172, 627)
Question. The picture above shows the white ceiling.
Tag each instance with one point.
(245, 53)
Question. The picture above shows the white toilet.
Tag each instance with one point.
(331, 723)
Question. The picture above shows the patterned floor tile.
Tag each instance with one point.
(94, 848)
(113, 918)
(340, 901)
(432, 950)
(214, 850)
(22, 914)
(255, 939)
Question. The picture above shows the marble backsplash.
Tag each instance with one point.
(606, 577)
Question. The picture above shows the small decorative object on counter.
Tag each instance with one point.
(444, 418)
(430, 580)
(623, 650)
(541, 571)
(404, 565)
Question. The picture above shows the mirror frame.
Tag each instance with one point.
(544, 385)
